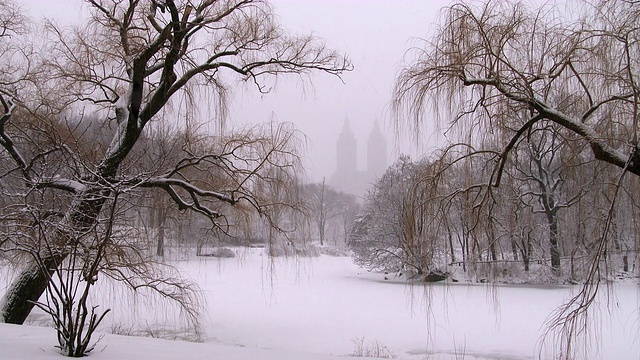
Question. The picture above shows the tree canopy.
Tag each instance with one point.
(503, 66)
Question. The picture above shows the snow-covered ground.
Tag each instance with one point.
(318, 308)
(34, 342)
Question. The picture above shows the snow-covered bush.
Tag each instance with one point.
(394, 232)
(371, 349)
(289, 249)
(220, 252)
(75, 316)
(333, 251)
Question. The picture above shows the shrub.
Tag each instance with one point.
(371, 349)
(290, 249)
(220, 252)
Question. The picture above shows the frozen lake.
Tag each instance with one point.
(322, 305)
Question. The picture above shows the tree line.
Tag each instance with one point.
(542, 224)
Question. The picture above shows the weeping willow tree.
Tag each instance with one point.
(132, 64)
(501, 69)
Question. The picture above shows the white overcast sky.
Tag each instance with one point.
(375, 34)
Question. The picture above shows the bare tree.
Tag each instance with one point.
(489, 63)
(324, 205)
(128, 64)
(562, 74)
(542, 169)
(397, 230)
(67, 300)
(351, 209)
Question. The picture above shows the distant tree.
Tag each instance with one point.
(324, 205)
(133, 63)
(352, 207)
(541, 168)
(392, 233)
(465, 211)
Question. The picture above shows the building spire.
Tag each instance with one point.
(376, 153)
(346, 127)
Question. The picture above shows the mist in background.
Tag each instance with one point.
(375, 34)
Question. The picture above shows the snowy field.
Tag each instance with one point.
(319, 308)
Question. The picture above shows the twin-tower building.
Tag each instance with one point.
(347, 177)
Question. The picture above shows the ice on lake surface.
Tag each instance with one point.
(323, 305)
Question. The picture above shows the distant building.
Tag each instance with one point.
(376, 153)
(347, 178)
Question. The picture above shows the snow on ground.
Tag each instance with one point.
(315, 308)
(33, 342)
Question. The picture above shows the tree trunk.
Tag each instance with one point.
(527, 249)
(573, 263)
(32, 281)
(553, 242)
(162, 217)
(512, 235)
(451, 249)
(465, 250)
(27, 288)
(492, 241)
(322, 215)
(160, 245)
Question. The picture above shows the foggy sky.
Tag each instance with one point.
(375, 34)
